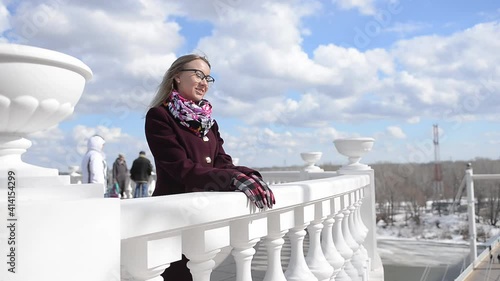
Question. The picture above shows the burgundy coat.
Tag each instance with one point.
(185, 162)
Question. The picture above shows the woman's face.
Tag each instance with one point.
(189, 84)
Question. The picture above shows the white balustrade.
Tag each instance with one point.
(328, 204)
(206, 226)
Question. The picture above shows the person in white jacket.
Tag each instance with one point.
(94, 167)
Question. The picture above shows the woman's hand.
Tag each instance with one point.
(270, 201)
(255, 189)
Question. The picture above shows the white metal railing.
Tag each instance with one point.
(155, 231)
(468, 182)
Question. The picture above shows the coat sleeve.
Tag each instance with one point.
(171, 158)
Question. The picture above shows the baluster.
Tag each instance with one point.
(274, 243)
(297, 267)
(358, 214)
(315, 258)
(243, 254)
(245, 233)
(360, 229)
(201, 265)
(358, 260)
(364, 200)
(359, 257)
(331, 253)
(145, 258)
(278, 225)
(353, 270)
(340, 243)
(201, 245)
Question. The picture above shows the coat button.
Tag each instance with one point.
(208, 159)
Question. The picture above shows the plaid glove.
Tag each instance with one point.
(255, 189)
(269, 198)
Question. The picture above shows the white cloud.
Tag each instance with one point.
(280, 146)
(366, 7)
(259, 57)
(4, 18)
(406, 27)
(413, 120)
(124, 48)
(265, 59)
(396, 132)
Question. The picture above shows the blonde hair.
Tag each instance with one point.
(168, 83)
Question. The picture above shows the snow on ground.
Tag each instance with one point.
(437, 241)
(453, 228)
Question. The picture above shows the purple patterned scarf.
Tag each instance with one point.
(195, 116)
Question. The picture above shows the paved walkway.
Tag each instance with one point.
(487, 269)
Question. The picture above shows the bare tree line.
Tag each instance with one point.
(410, 186)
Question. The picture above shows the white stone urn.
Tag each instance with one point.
(38, 89)
(354, 149)
(311, 158)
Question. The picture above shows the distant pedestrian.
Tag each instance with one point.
(498, 258)
(94, 167)
(120, 174)
(140, 172)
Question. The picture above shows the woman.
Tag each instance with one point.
(187, 147)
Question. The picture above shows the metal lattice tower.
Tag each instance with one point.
(438, 175)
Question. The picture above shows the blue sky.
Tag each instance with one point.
(291, 76)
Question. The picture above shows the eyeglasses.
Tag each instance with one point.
(201, 75)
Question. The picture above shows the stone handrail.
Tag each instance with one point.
(155, 231)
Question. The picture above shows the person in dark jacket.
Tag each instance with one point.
(120, 174)
(187, 147)
(140, 173)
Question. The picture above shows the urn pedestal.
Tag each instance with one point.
(311, 158)
(57, 230)
(354, 149)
